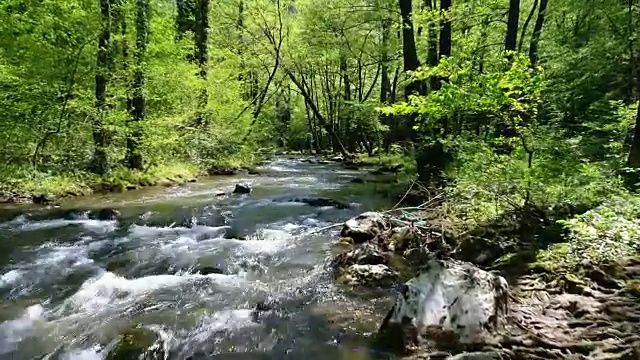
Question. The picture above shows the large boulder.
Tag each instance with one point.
(365, 254)
(369, 275)
(450, 303)
(137, 344)
(364, 227)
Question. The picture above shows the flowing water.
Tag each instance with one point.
(69, 285)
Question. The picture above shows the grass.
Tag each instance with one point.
(25, 183)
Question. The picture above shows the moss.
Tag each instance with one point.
(633, 288)
(346, 241)
(572, 284)
(133, 344)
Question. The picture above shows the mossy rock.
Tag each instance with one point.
(346, 241)
(542, 267)
(135, 344)
(165, 183)
(633, 288)
(572, 284)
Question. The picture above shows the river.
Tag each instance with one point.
(69, 285)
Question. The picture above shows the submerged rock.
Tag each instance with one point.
(449, 303)
(364, 227)
(369, 275)
(105, 214)
(321, 202)
(207, 270)
(137, 344)
(242, 189)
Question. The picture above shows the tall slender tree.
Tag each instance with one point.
(513, 20)
(409, 52)
(138, 105)
(201, 33)
(103, 73)
(445, 29)
(537, 32)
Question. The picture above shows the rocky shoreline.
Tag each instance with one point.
(457, 303)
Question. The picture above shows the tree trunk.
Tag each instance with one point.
(445, 30)
(103, 64)
(185, 20)
(634, 153)
(537, 32)
(134, 156)
(512, 25)
(526, 24)
(316, 112)
(409, 52)
(385, 85)
(432, 33)
(201, 52)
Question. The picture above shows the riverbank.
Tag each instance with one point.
(43, 188)
(573, 279)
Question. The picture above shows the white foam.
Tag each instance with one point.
(84, 354)
(10, 278)
(108, 289)
(150, 232)
(14, 331)
(96, 226)
(221, 321)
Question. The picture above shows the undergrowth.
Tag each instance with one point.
(605, 234)
(26, 182)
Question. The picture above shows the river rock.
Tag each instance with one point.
(450, 301)
(223, 171)
(479, 250)
(402, 238)
(369, 275)
(364, 227)
(321, 202)
(43, 199)
(207, 270)
(337, 158)
(242, 189)
(365, 254)
(105, 214)
(137, 344)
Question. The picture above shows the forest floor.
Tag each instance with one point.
(586, 311)
(552, 317)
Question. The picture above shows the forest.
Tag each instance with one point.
(501, 103)
(510, 130)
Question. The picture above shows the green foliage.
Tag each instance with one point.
(605, 234)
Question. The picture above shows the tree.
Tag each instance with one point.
(134, 156)
(103, 68)
(537, 32)
(409, 51)
(513, 20)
